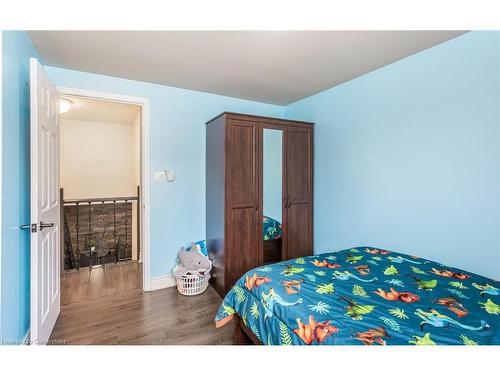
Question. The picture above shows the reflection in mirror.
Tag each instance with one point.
(272, 193)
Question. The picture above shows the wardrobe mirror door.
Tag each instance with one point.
(272, 190)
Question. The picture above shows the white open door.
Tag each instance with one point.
(45, 254)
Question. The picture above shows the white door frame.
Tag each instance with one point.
(145, 165)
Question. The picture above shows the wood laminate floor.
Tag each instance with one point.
(108, 309)
(89, 284)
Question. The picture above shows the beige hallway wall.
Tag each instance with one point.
(101, 159)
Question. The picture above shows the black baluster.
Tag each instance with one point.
(126, 229)
(90, 238)
(114, 233)
(102, 224)
(77, 227)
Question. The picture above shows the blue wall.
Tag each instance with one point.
(407, 157)
(15, 252)
(177, 143)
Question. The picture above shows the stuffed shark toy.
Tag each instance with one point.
(192, 260)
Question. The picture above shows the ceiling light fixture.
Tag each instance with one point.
(64, 105)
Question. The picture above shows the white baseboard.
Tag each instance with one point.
(160, 282)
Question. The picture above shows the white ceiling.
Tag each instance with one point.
(100, 111)
(277, 67)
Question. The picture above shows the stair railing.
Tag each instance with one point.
(94, 244)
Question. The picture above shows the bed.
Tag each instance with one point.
(362, 296)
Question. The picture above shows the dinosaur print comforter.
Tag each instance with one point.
(365, 296)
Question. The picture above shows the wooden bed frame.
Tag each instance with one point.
(242, 334)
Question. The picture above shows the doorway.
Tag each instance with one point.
(100, 195)
(46, 226)
(124, 232)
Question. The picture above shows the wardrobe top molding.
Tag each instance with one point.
(270, 120)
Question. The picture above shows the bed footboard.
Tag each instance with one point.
(242, 335)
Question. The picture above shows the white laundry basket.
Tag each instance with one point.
(192, 282)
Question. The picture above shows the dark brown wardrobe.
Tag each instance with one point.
(258, 169)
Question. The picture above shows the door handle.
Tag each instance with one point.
(45, 225)
(29, 226)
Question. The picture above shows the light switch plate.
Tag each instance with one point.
(170, 176)
(159, 177)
